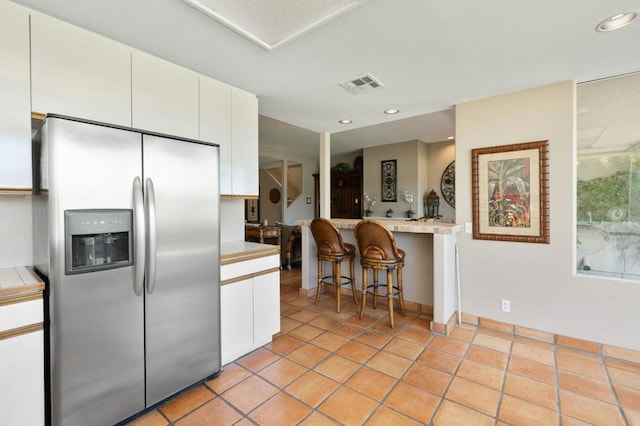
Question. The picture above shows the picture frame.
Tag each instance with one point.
(252, 210)
(510, 192)
(389, 189)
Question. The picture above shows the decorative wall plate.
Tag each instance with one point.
(448, 184)
(274, 195)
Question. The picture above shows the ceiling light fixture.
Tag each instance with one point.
(391, 111)
(617, 21)
(345, 121)
(450, 138)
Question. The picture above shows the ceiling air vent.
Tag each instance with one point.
(362, 84)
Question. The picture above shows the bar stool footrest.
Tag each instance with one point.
(329, 280)
(396, 290)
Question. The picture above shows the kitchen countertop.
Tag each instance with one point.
(19, 281)
(239, 251)
(413, 227)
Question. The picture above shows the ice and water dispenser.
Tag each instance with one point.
(97, 240)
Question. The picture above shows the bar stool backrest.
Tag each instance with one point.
(327, 237)
(375, 241)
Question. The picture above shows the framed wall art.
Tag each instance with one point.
(510, 192)
(389, 188)
(448, 184)
(251, 209)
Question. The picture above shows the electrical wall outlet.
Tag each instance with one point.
(468, 228)
(506, 305)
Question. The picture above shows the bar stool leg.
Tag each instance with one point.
(375, 288)
(338, 282)
(364, 291)
(400, 293)
(390, 295)
(352, 274)
(319, 285)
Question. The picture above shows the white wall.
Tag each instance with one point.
(299, 209)
(231, 220)
(440, 155)
(345, 158)
(539, 279)
(16, 235)
(420, 167)
(272, 212)
(409, 161)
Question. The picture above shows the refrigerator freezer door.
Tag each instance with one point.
(96, 329)
(183, 311)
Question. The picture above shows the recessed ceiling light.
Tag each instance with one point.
(617, 21)
(391, 111)
(345, 121)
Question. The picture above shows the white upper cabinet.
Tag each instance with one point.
(15, 111)
(164, 97)
(79, 73)
(215, 124)
(244, 137)
(229, 117)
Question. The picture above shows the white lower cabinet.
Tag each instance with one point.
(236, 319)
(22, 372)
(21, 363)
(250, 307)
(266, 307)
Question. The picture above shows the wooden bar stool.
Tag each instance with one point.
(378, 251)
(331, 248)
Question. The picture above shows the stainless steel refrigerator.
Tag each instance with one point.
(126, 234)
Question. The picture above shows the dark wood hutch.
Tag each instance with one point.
(346, 195)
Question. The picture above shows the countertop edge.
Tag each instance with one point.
(23, 292)
(240, 251)
(410, 227)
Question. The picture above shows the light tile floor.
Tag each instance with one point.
(328, 368)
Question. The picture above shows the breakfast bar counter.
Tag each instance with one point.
(429, 271)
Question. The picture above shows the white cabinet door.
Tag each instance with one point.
(15, 108)
(215, 124)
(79, 73)
(244, 137)
(236, 315)
(22, 372)
(266, 307)
(164, 97)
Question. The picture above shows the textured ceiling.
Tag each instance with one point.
(272, 23)
(609, 114)
(430, 54)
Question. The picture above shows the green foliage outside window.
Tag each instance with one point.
(613, 197)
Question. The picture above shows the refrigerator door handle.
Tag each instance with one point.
(150, 204)
(139, 239)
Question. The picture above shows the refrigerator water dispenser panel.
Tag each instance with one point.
(97, 239)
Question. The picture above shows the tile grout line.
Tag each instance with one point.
(504, 380)
(615, 391)
(327, 306)
(557, 384)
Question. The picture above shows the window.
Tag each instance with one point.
(608, 178)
